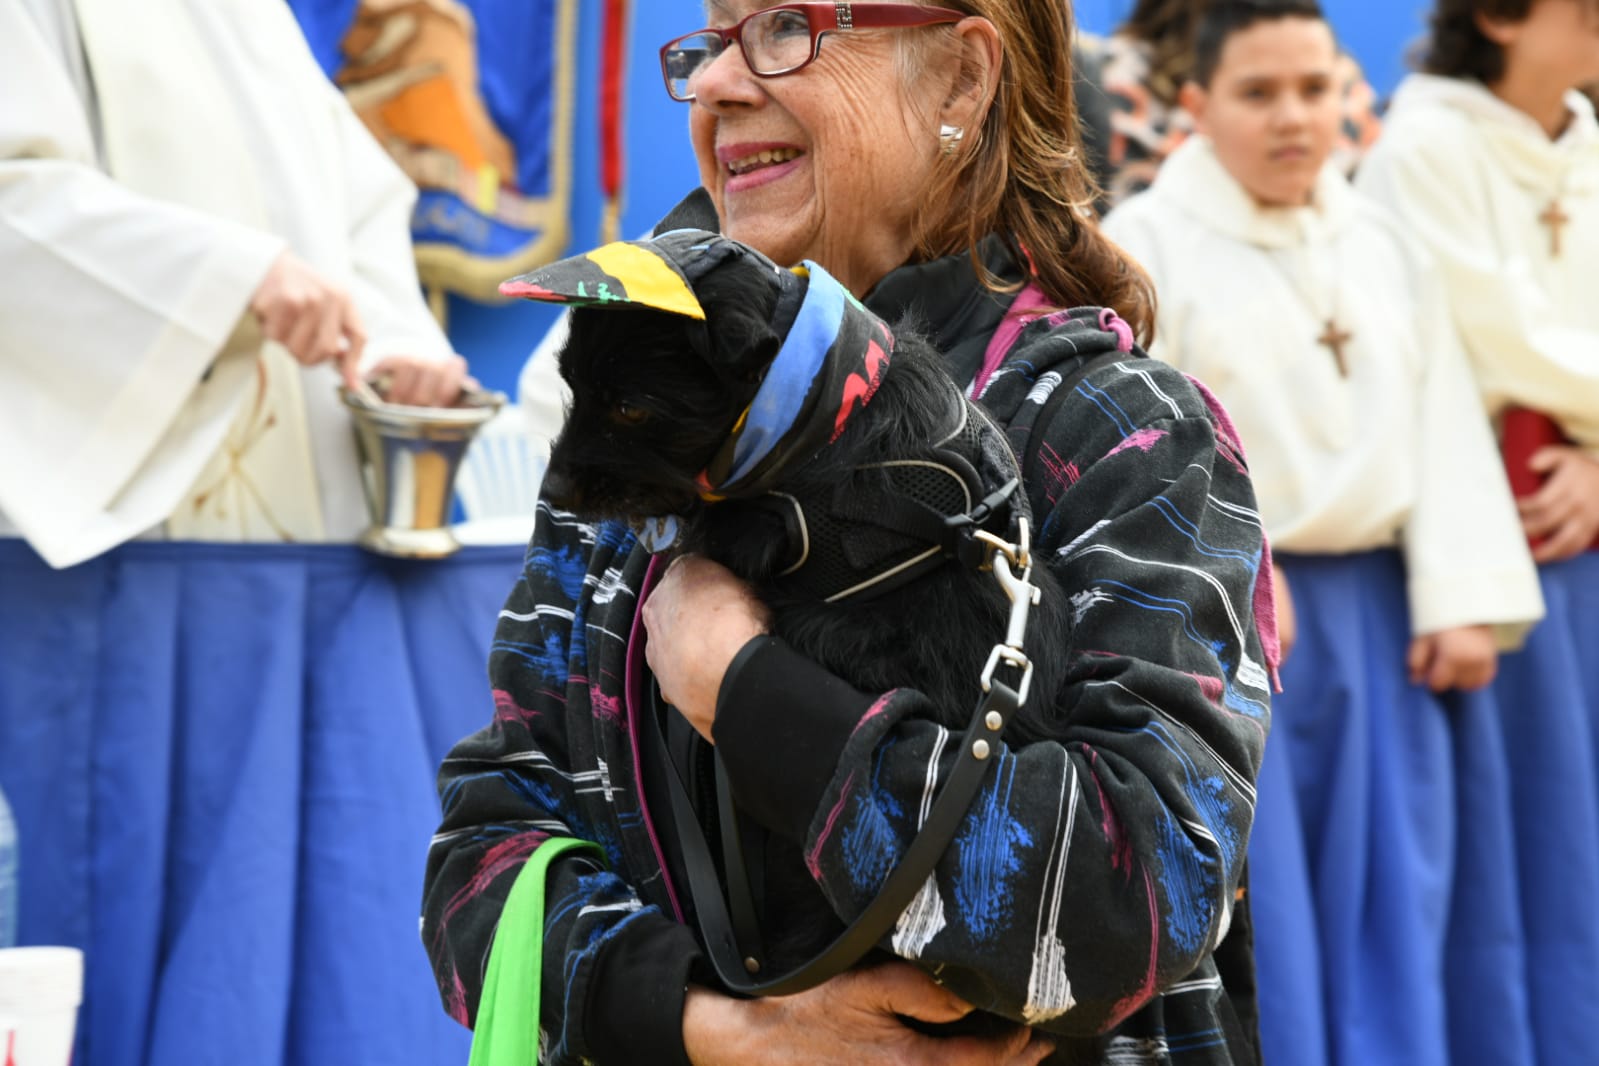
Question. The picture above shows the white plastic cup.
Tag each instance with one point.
(40, 989)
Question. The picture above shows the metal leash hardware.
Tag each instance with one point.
(1023, 596)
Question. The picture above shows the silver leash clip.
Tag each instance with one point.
(1023, 595)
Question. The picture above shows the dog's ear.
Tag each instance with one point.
(740, 298)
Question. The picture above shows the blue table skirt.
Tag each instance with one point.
(221, 759)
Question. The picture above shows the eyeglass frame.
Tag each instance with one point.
(834, 18)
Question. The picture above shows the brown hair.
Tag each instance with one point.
(1024, 176)
(1166, 28)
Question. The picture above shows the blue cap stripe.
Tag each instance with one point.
(782, 394)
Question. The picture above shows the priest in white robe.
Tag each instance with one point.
(1324, 333)
(178, 184)
(1492, 159)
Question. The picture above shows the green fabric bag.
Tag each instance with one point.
(507, 1030)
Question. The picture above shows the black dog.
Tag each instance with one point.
(655, 396)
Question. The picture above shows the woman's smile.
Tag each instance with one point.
(751, 164)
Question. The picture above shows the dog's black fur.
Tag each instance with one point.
(655, 395)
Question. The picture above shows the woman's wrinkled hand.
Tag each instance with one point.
(1465, 658)
(697, 619)
(856, 1017)
(314, 319)
(420, 382)
(1564, 512)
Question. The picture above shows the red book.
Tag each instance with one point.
(1522, 433)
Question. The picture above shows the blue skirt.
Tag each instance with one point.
(1547, 722)
(1353, 855)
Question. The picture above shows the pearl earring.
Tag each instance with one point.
(949, 138)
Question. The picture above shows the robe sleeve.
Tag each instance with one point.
(114, 307)
(1466, 560)
(383, 279)
(1523, 351)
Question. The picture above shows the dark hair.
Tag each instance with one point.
(1023, 174)
(1457, 48)
(1166, 28)
(1225, 18)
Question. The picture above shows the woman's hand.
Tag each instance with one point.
(698, 618)
(1287, 621)
(856, 1018)
(419, 382)
(1465, 658)
(310, 316)
(1565, 511)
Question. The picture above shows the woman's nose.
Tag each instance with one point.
(726, 80)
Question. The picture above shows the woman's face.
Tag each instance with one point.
(828, 163)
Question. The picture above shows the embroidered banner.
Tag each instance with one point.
(474, 100)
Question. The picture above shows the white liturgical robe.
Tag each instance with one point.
(1512, 219)
(155, 159)
(1324, 334)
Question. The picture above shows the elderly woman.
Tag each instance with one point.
(927, 158)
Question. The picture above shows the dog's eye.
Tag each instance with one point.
(629, 414)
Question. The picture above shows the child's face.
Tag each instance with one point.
(1272, 108)
(1558, 43)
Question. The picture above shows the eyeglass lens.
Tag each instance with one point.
(774, 42)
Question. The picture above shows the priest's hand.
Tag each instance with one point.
(420, 382)
(1466, 657)
(1564, 512)
(856, 1017)
(310, 316)
(698, 618)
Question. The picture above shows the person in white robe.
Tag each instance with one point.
(1323, 331)
(1492, 159)
(1504, 192)
(199, 236)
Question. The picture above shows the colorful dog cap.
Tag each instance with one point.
(657, 273)
(832, 359)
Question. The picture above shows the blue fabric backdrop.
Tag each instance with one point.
(221, 760)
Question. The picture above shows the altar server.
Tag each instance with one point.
(1323, 331)
(1493, 161)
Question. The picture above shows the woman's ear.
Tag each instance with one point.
(1195, 99)
(976, 75)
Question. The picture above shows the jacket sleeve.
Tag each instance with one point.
(615, 968)
(1098, 867)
